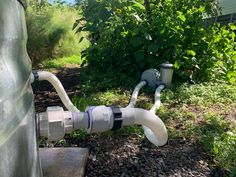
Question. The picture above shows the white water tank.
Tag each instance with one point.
(18, 147)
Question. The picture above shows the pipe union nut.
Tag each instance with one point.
(56, 127)
(54, 123)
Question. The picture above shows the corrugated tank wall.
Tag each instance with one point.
(228, 6)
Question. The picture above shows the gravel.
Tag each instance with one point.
(128, 156)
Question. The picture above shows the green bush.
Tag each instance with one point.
(131, 36)
(50, 31)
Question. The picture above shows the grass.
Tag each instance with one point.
(207, 113)
(62, 62)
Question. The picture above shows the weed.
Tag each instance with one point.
(79, 134)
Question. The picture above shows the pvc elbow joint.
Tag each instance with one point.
(156, 131)
(44, 75)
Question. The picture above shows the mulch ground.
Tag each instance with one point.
(125, 155)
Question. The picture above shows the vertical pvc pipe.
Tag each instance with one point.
(135, 93)
(157, 103)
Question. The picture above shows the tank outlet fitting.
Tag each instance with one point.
(151, 76)
(54, 123)
(166, 74)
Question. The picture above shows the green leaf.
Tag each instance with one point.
(162, 31)
(153, 48)
(177, 64)
(232, 27)
(139, 5)
(181, 16)
(232, 77)
(191, 52)
(148, 37)
(216, 150)
(139, 56)
(136, 41)
(201, 9)
(137, 18)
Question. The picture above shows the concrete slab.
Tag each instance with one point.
(63, 162)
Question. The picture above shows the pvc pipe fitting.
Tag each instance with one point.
(158, 135)
(135, 93)
(101, 119)
(44, 75)
(54, 123)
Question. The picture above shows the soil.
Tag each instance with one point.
(126, 155)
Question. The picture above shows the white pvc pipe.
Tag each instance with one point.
(44, 75)
(80, 120)
(134, 96)
(148, 132)
(157, 103)
(158, 135)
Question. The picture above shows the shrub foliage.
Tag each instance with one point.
(130, 36)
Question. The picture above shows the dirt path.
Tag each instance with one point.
(125, 155)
